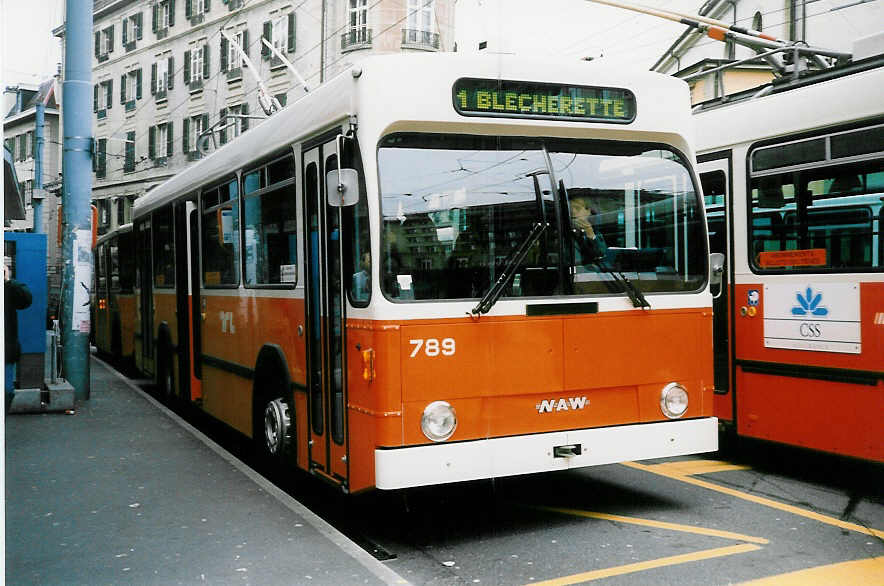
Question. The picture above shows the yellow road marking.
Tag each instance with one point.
(691, 467)
(866, 572)
(759, 500)
(658, 563)
(659, 524)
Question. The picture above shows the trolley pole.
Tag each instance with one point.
(76, 194)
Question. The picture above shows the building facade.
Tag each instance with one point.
(41, 194)
(170, 86)
(827, 24)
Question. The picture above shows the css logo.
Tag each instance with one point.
(809, 330)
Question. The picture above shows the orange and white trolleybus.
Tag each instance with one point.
(794, 183)
(442, 268)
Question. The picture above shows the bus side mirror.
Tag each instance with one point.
(342, 187)
(716, 265)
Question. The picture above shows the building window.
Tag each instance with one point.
(420, 25)
(279, 32)
(234, 122)
(131, 31)
(196, 66)
(358, 35)
(195, 10)
(159, 145)
(232, 61)
(104, 43)
(161, 75)
(757, 24)
(32, 145)
(163, 17)
(102, 100)
(193, 127)
(129, 163)
(99, 163)
(130, 89)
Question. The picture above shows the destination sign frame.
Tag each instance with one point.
(543, 101)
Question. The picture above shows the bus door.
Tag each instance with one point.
(715, 174)
(325, 344)
(185, 232)
(144, 244)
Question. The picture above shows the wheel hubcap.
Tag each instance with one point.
(276, 426)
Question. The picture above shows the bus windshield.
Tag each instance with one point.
(456, 208)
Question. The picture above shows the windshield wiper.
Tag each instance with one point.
(634, 293)
(513, 260)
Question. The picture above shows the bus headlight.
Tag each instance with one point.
(438, 421)
(673, 400)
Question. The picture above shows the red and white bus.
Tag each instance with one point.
(112, 296)
(794, 182)
(383, 284)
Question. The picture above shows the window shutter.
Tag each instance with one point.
(102, 157)
(245, 112)
(138, 84)
(205, 122)
(154, 17)
(95, 98)
(188, 9)
(245, 42)
(268, 34)
(168, 139)
(171, 13)
(122, 89)
(207, 5)
(222, 131)
(185, 134)
(171, 75)
(125, 36)
(110, 93)
(206, 61)
(153, 79)
(224, 46)
(151, 147)
(138, 23)
(110, 39)
(186, 67)
(291, 39)
(97, 44)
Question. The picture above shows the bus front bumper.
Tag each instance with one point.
(542, 452)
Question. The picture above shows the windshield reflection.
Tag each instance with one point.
(455, 209)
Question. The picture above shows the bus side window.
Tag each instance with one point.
(220, 235)
(163, 248)
(270, 224)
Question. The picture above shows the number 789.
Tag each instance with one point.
(432, 346)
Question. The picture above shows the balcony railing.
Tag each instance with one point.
(418, 39)
(356, 39)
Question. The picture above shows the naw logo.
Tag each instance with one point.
(809, 304)
(569, 404)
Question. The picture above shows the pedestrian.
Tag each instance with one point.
(16, 296)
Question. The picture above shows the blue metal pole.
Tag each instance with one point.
(38, 166)
(76, 192)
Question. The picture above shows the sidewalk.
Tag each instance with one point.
(124, 492)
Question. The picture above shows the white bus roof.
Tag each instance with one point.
(401, 92)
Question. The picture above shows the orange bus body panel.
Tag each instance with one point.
(827, 415)
(503, 368)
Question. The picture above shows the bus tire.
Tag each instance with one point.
(273, 424)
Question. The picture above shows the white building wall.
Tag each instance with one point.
(317, 56)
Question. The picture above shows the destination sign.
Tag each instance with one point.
(521, 99)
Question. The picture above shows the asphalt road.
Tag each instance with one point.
(760, 513)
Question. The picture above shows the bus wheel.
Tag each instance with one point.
(276, 432)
